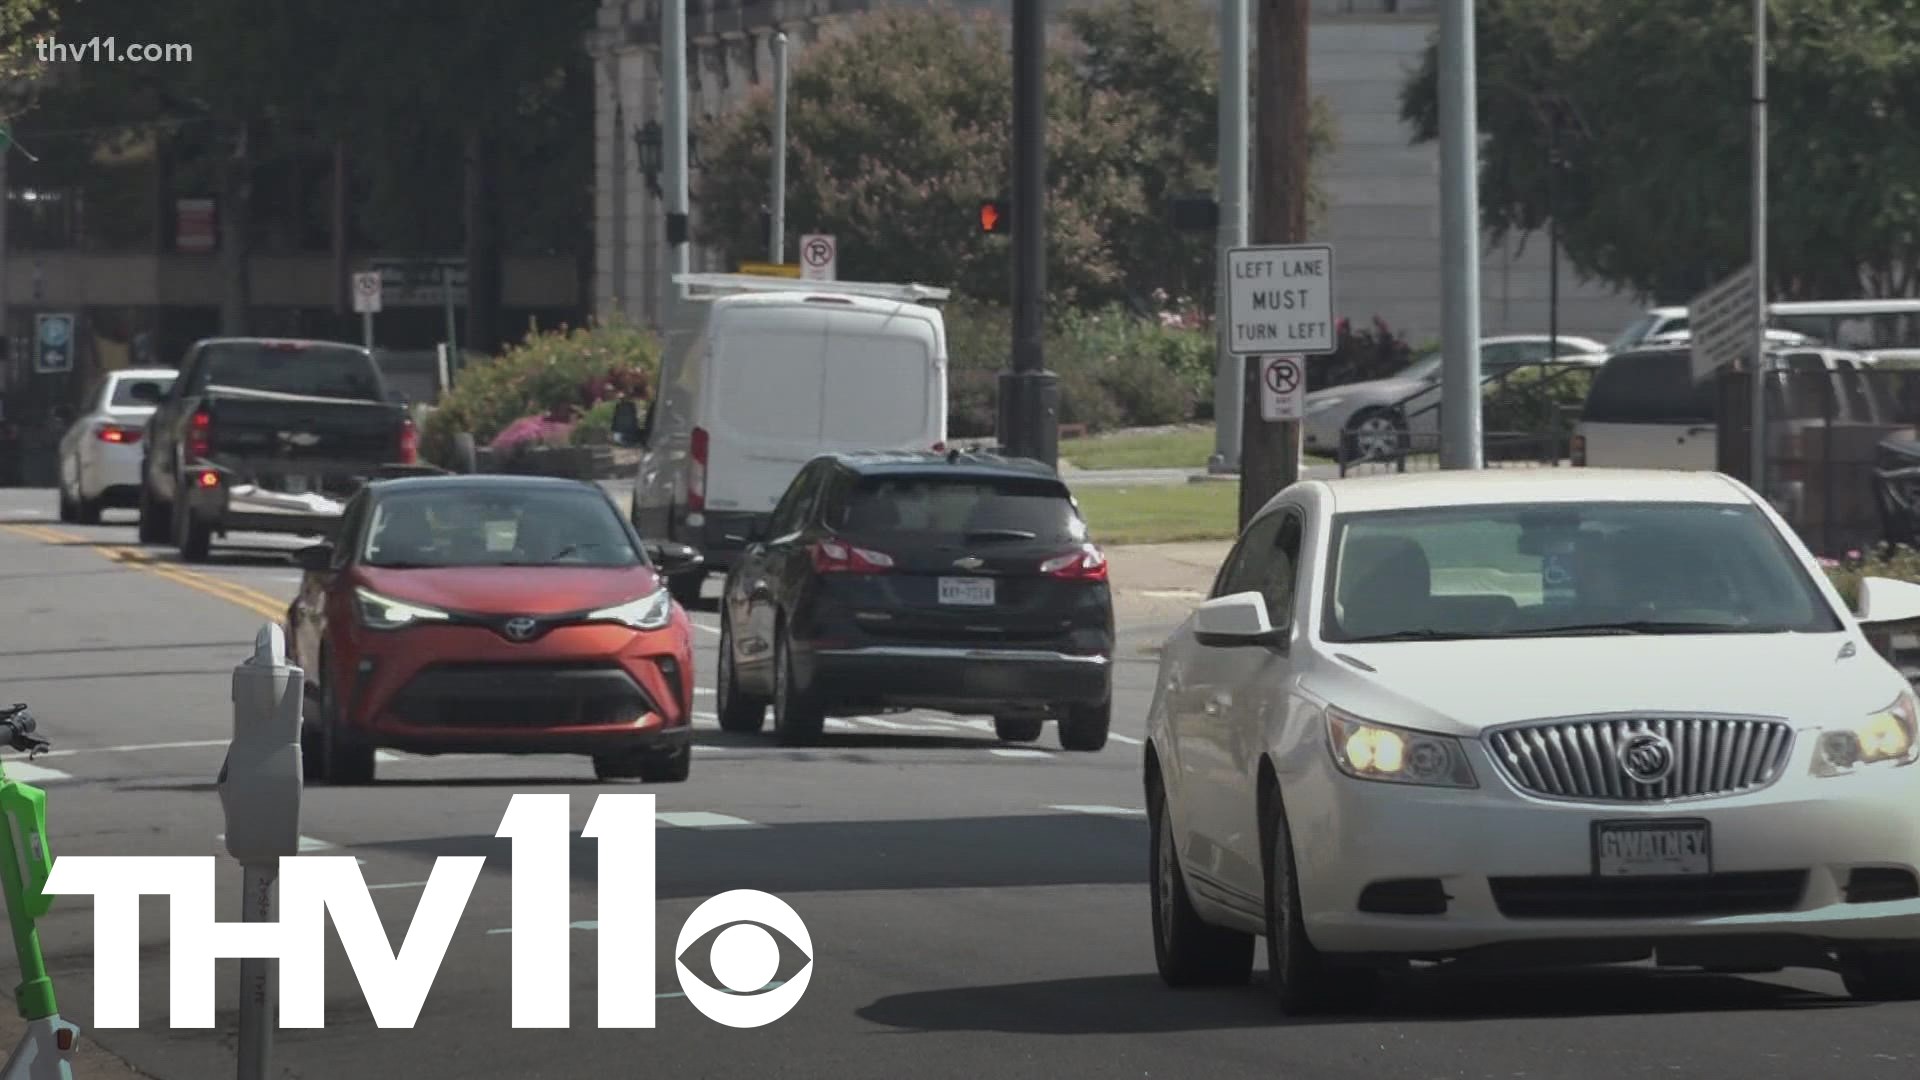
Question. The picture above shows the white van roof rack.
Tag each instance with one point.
(745, 283)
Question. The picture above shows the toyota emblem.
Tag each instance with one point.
(520, 629)
(1647, 757)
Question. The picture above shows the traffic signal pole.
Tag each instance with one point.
(1230, 371)
(1029, 413)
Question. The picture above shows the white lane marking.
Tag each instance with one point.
(701, 691)
(1003, 752)
(27, 772)
(387, 755)
(714, 630)
(898, 725)
(1128, 739)
(1109, 811)
(136, 747)
(838, 724)
(307, 843)
(400, 885)
(590, 925)
(701, 819)
(715, 717)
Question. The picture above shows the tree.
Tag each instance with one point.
(1653, 99)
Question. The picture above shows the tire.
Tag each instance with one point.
(87, 511)
(69, 510)
(1188, 950)
(156, 517)
(344, 760)
(1374, 429)
(192, 537)
(797, 715)
(1893, 976)
(686, 588)
(310, 742)
(1017, 728)
(650, 767)
(1084, 728)
(1303, 981)
(739, 712)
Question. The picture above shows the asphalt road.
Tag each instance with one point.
(975, 910)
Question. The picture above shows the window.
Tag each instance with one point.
(1650, 388)
(790, 516)
(1566, 570)
(497, 526)
(962, 509)
(1266, 562)
(123, 390)
(333, 371)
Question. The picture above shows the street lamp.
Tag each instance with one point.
(647, 140)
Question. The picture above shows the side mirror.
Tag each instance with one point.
(1235, 621)
(1884, 601)
(673, 559)
(626, 423)
(147, 393)
(315, 559)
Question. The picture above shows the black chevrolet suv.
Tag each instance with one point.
(959, 582)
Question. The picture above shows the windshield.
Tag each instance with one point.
(1634, 334)
(1566, 570)
(442, 527)
(123, 390)
(335, 371)
(1421, 369)
(962, 508)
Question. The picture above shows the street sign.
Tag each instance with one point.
(819, 257)
(1283, 387)
(1722, 322)
(367, 290)
(1280, 297)
(766, 269)
(409, 282)
(53, 344)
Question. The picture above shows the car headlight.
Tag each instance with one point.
(650, 612)
(1889, 736)
(1365, 750)
(379, 612)
(1320, 405)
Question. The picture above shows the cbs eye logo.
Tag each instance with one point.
(736, 937)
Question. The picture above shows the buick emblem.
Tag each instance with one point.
(520, 629)
(970, 563)
(1647, 757)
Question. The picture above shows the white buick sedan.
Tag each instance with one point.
(1531, 716)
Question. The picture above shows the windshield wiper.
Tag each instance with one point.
(1642, 626)
(1002, 534)
(1422, 634)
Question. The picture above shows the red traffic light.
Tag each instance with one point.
(993, 216)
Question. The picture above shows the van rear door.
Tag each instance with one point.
(763, 402)
(1644, 411)
(886, 382)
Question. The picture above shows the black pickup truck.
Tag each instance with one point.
(266, 435)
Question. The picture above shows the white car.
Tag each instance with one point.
(1534, 717)
(100, 453)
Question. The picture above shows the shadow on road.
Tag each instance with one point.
(101, 676)
(171, 645)
(1031, 850)
(828, 744)
(1142, 1004)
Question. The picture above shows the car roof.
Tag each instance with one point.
(478, 482)
(952, 463)
(813, 300)
(303, 343)
(1486, 487)
(124, 374)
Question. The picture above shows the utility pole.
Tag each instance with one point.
(777, 242)
(1029, 413)
(1229, 370)
(1756, 472)
(1270, 450)
(1460, 438)
(1553, 231)
(673, 77)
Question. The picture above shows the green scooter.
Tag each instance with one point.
(46, 1050)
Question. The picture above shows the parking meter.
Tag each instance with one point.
(260, 781)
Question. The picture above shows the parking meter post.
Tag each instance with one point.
(260, 788)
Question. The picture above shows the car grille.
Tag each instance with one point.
(1580, 759)
(528, 695)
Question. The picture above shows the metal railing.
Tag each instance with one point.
(1545, 447)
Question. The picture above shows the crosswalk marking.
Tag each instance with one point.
(1005, 752)
(702, 819)
(1110, 811)
(1119, 738)
(307, 843)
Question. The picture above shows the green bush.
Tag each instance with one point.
(595, 426)
(561, 374)
(1895, 561)
(1531, 399)
(979, 343)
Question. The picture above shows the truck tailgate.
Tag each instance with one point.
(289, 433)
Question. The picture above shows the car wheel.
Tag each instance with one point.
(1017, 728)
(86, 511)
(738, 710)
(311, 746)
(193, 537)
(1302, 979)
(1890, 976)
(156, 517)
(797, 717)
(647, 766)
(1188, 950)
(1374, 433)
(1084, 728)
(344, 760)
(69, 510)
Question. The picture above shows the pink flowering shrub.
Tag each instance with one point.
(531, 431)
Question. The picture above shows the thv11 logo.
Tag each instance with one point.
(743, 955)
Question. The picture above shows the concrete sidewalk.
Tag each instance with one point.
(1162, 583)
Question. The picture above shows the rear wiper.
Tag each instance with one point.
(1002, 534)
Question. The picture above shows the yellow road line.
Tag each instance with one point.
(260, 603)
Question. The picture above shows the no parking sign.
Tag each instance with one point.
(1283, 387)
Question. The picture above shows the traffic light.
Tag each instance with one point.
(994, 217)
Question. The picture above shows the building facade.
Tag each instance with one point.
(1383, 191)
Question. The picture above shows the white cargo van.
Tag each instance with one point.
(767, 374)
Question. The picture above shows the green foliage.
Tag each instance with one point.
(595, 426)
(21, 23)
(1370, 352)
(561, 374)
(1895, 561)
(1533, 399)
(1656, 138)
(899, 126)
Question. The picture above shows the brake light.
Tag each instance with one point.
(114, 433)
(209, 479)
(939, 448)
(1577, 450)
(697, 473)
(409, 442)
(836, 557)
(1087, 564)
(199, 431)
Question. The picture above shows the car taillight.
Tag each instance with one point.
(1087, 564)
(1577, 450)
(697, 472)
(114, 433)
(409, 442)
(939, 448)
(199, 429)
(836, 557)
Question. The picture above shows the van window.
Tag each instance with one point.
(1650, 388)
(770, 383)
(878, 387)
